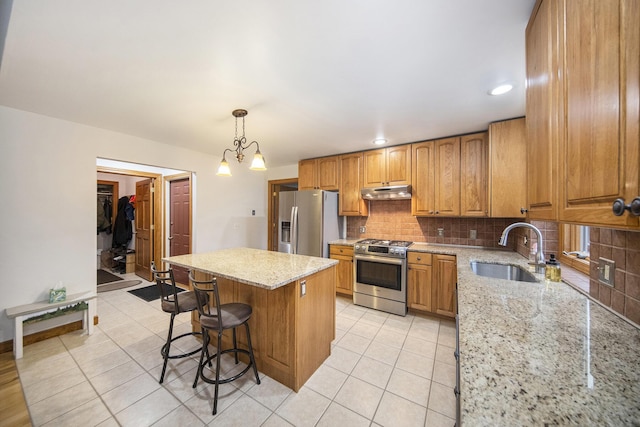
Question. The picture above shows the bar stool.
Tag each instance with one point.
(217, 319)
(173, 302)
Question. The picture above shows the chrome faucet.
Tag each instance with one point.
(540, 260)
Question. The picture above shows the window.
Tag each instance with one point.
(575, 246)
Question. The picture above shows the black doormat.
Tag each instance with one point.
(106, 277)
(151, 292)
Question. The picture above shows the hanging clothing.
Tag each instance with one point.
(122, 230)
(104, 222)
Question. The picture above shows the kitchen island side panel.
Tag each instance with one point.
(291, 333)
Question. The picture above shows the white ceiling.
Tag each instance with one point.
(317, 78)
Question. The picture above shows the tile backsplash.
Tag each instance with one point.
(392, 219)
(623, 247)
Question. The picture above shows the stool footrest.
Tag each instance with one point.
(226, 380)
(163, 350)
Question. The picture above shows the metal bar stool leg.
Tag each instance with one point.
(217, 385)
(166, 347)
(251, 358)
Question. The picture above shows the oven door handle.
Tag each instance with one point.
(380, 259)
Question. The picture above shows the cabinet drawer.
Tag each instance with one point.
(341, 250)
(419, 258)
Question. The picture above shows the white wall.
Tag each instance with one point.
(48, 212)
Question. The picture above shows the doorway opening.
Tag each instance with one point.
(275, 187)
(144, 186)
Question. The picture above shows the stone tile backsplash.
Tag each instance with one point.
(393, 220)
(623, 247)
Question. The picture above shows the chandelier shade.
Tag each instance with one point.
(240, 144)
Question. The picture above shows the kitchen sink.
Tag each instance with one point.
(502, 271)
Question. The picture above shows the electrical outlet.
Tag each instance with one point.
(363, 229)
(440, 232)
(473, 234)
(253, 212)
(606, 271)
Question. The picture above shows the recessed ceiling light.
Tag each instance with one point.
(379, 141)
(501, 90)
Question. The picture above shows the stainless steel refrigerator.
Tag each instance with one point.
(308, 221)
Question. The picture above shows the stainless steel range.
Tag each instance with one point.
(380, 271)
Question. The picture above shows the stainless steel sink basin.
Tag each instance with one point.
(502, 271)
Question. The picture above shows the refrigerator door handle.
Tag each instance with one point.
(294, 230)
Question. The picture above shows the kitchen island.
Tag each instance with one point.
(539, 353)
(293, 301)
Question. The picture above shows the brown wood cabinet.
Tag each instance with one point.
(423, 179)
(436, 178)
(344, 270)
(350, 183)
(447, 177)
(387, 166)
(599, 150)
(544, 51)
(508, 169)
(431, 283)
(319, 174)
(582, 110)
(474, 175)
(445, 276)
(419, 281)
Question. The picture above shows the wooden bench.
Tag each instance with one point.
(20, 312)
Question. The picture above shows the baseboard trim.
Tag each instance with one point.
(7, 346)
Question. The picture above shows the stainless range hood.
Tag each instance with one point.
(394, 192)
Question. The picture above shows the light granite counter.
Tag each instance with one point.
(540, 353)
(256, 267)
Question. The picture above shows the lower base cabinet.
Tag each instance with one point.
(344, 270)
(431, 283)
(419, 281)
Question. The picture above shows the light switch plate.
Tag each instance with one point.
(606, 271)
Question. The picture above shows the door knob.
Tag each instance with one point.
(619, 207)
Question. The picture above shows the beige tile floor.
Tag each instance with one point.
(384, 370)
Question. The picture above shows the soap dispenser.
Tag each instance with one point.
(552, 269)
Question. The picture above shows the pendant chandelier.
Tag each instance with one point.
(240, 145)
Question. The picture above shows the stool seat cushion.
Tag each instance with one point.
(186, 302)
(233, 314)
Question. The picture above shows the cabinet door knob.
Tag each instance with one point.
(419, 259)
(619, 207)
(437, 212)
(524, 210)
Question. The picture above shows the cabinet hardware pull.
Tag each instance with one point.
(619, 207)
(524, 210)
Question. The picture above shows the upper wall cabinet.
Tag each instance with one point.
(473, 175)
(582, 111)
(436, 178)
(387, 166)
(351, 202)
(543, 108)
(319, 174)
(508, 169)
(600, 144)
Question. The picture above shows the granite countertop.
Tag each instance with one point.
(538, 353)
(255, 267)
